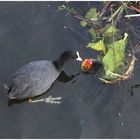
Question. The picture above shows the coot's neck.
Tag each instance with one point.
(59, 63)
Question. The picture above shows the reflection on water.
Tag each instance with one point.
(63, 77)
(15, 101)
(132, 89)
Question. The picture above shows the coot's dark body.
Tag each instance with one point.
(33, 79)
(37, 77)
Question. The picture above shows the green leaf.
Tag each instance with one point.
(110, 30)
(109, 75)
(100, 57)
(91, 14)
(114, 62)
(83, 23)
(98, 46)
(92, 33)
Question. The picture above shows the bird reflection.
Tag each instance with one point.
(63, 77)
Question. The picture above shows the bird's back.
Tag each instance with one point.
(33, 79)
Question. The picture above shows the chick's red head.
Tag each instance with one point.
(86, 64)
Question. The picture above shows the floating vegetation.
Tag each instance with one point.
(109, 40)
(67, 9)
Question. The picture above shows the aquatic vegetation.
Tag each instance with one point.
(109, 40)
(98, 46)
(67, 9)
(111, 45)
(112, 63)
(91, 14)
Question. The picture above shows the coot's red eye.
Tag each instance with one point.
(86, 64)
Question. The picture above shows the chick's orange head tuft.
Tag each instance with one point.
(86, 64)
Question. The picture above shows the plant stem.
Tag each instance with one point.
(86, 20)
(113, 15)
(114, 56)
(105, 9)
(135, 15)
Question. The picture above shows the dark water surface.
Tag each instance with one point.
(35, 31)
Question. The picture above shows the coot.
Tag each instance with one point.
(36, 77)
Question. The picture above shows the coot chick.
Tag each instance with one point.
(36, 77)
(91, 65)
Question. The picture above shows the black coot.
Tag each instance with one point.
(35, 78)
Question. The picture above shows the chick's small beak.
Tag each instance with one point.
(78, 57)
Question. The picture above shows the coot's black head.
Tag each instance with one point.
(66, 56)
(70, 55)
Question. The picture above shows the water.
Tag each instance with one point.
(35, 31)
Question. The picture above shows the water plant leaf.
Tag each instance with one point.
(109, 75)
(91, 14)
(98, 46)
(92, 32)
(83, 23)
(109, 30)
(113, 62)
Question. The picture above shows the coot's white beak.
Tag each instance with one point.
(79, 58)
